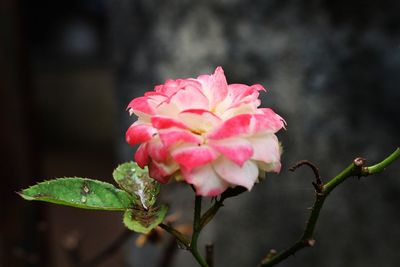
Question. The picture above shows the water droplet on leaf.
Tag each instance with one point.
(83, 199)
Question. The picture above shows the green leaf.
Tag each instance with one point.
(80, 193)
(131, 178)
(143, 221)
(143, 217)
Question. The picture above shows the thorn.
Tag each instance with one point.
(310, 242)
(271, 253)
(359, 162)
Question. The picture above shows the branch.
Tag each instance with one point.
(318, 184)
(355, 169)
(210, 213)
(181, 238)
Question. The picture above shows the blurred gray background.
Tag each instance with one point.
(331, 69)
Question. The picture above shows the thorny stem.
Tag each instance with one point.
(306, 240)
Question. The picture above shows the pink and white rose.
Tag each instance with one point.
(205, 132)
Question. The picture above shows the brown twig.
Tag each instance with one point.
(318, 184)
(210, 254)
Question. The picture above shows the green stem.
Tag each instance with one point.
(380, 167)
(354, 170)
(306, 239)
(338, 179)
(196, 232)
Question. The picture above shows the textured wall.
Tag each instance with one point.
(331, 69)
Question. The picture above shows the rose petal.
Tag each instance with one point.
(236, 126)
(237, 150)
(248, 124)
(258, 87)
(177, 136)
(215, 86)
(244, 176)
(161, 122)
(243, 108)
(206, 181)
(199, 120)
(161, 172)
(141, 105)
(266, 148)
(142, 156)
(167, 109)
(193, 156)
(168, 88)
(189, 97)
(268, 119)
(139, 133)
(155, 97)
(157, 151)
(239, 93)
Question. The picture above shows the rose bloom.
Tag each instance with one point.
(205, 132)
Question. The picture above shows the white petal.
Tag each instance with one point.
(199, 120)
(244, 176)
(265, 148)
(206, 181)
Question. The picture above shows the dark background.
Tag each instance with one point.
(68, 69)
